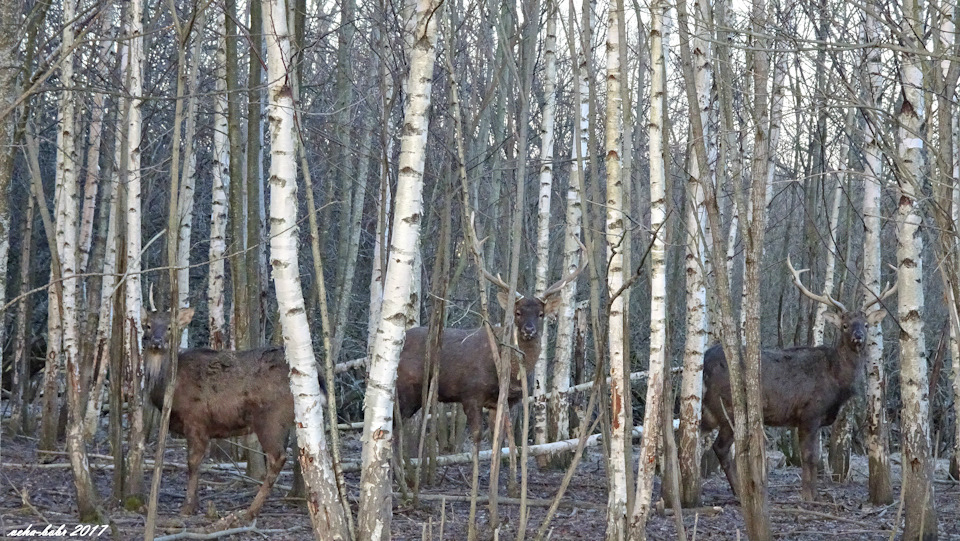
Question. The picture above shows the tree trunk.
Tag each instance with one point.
(919, 507)
(187, 185)
(691, 393)
(376, 506)
(237, 223)
(326, 512)
(880, 488)
(218, 212)
(658, 276)
(134, 300)
(67, 235)
(543, 217)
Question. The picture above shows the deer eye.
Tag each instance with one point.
(541, 314)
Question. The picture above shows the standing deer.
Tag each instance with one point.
(803, 387)
(468, 370)
(220, 394)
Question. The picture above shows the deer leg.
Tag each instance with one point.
(809, 458)
(196, 449)
(274, 465)
(722, 448)
(273, 439)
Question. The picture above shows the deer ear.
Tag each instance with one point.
(876, 316)
(832, 317)
(185, 317)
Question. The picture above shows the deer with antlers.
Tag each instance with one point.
(468, 370)
(802, 387)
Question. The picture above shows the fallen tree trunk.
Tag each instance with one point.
(534, 450)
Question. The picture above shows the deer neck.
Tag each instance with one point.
(155, 369)
(531, 351)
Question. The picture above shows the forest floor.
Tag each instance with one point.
(39, 494)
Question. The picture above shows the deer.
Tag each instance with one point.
(802, 387)
(468, 371)
(220, 394)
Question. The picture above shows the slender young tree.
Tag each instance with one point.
(920, 511)
(323, 500)
(560, 400)
(188, 184)
(67, 231)
(873, 83)
(375, 497)
(691, 392)
(134, 295)
(658, 277)
(543, 216)
(216, 300)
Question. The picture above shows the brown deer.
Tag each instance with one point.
(803, 387)
(220, 394)
(468, 371)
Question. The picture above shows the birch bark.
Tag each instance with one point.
(218, 212)
(691, 390)
(543, 217)
(375, 491)
(134, 296)
(878, 452)
(919, 512)
(323, 501)
(617, 512)
(658, 283)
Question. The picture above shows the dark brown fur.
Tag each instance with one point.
(803, 387)
(468, 371)
(220, 394)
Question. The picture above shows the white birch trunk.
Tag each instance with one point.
(880, 489)
(185, 202)
(98, 108)
(919, 511)
(691, 386)
(376, 503)
(216, 300)
(543, 221)
(619, 385)
(571, 250)
(831, 262)
(109, 282)
(134, 297)
(323, 501)
(67, 217)
(658, 282)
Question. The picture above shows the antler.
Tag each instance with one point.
(555, 288)
(825, 298)
(888, 290)
(495, 280)
(153, 307)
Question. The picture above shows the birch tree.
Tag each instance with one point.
(691, 392)
(323, 500)
(67, 236)
(187, 185)
(559, 399)
(376, 506)
(620, 439)
(876, 433)
(658, 277)
(134, 296)
(919, 507)
(221, 181)
(543, 216)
